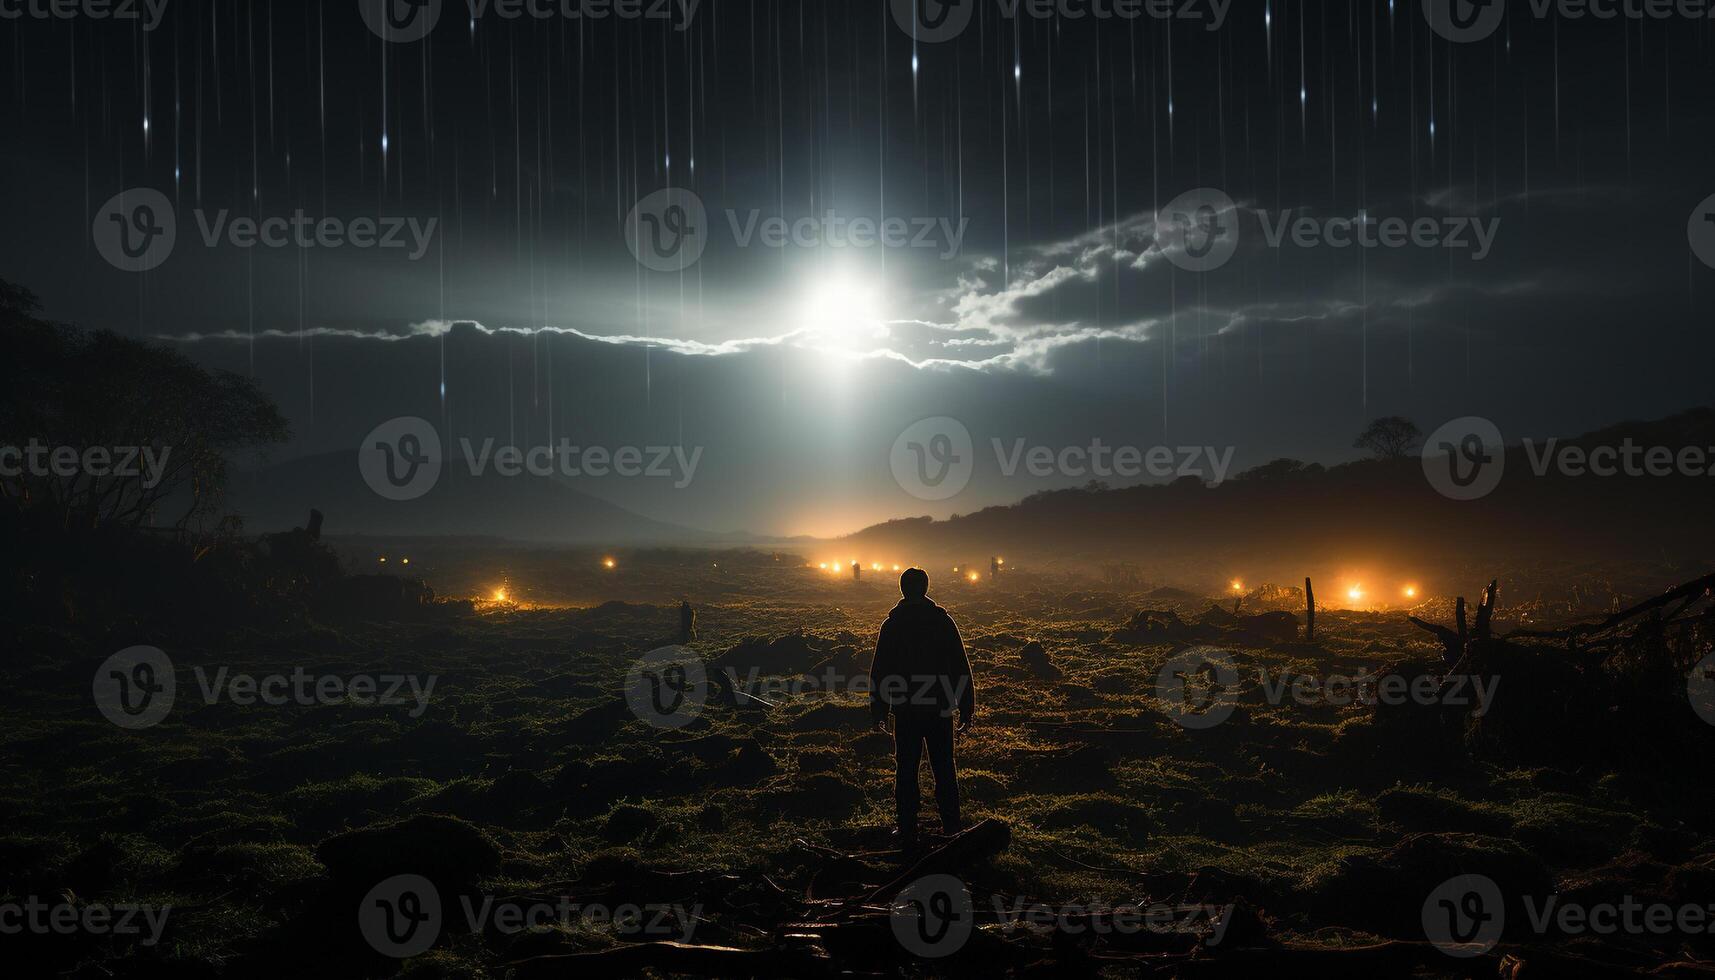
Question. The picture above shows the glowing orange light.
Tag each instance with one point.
(1355, 593)
(896, 568)
(1411, 592)
(608, 563)
(975, 576)
(383, 559)
(500, 595)
(404, 561)
(1238, 586)
(876, 566)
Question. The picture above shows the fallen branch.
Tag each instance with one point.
(985, 840)
(672, 957)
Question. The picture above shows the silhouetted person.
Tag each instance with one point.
(922, 676)
(857, 572)
(687, 622)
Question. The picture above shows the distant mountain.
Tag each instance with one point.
(1290, 515)
(524, 508)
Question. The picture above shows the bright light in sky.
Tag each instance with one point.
(843, 313)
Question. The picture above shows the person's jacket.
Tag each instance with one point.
(920, 665)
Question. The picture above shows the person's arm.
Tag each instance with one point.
(962, 680)
(879, 669)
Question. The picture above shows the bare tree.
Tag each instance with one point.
(1392, 437)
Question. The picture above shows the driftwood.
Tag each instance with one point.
(1684, 594)
(1458, 642)
(1486, 611)
(673, 957)
(982, 841)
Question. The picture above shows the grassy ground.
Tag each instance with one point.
(1312, 813)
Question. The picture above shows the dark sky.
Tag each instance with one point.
(1052, 141)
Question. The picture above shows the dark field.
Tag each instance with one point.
(1301, 836)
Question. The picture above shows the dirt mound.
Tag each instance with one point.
(790, 654)
(1385, 893)
(1216, 625)
(446, 850)
(1036, 660)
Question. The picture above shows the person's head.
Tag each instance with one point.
(914, 583)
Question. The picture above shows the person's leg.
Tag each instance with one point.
(939, 736)
(908, 758)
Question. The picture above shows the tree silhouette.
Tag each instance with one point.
(1392, 437)
(69, 392)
